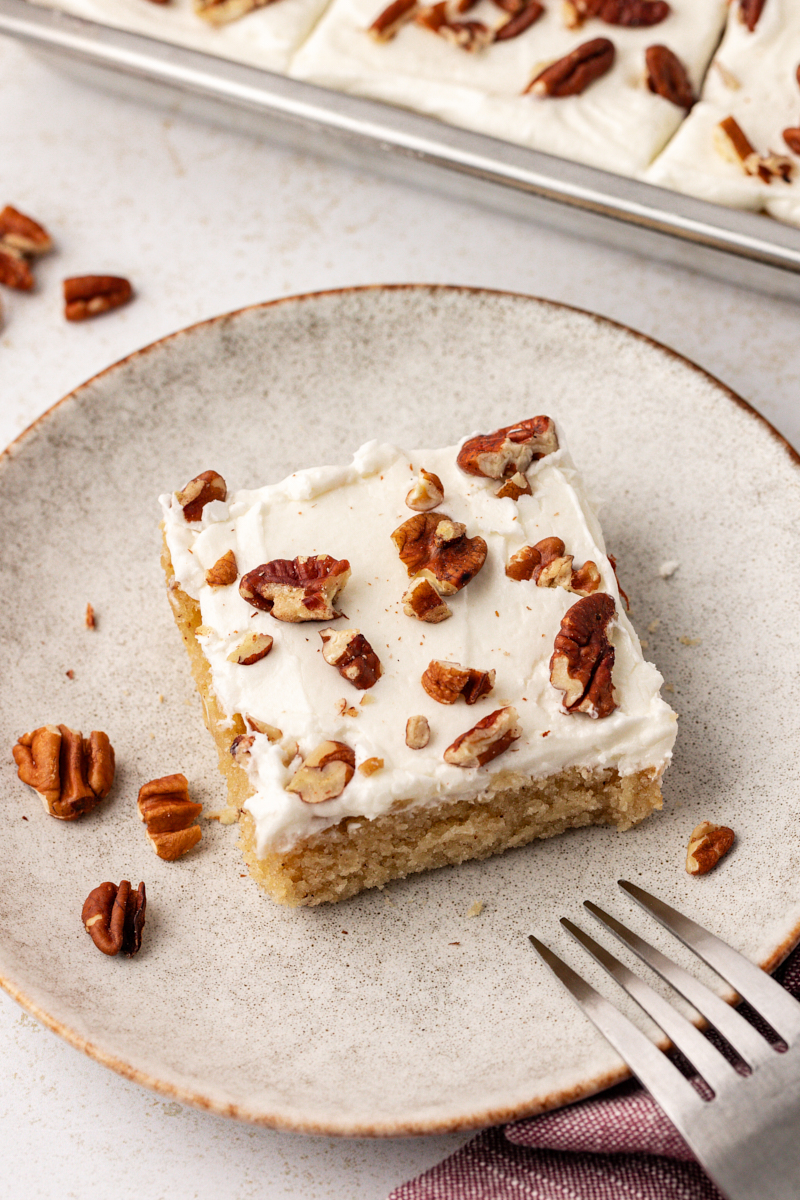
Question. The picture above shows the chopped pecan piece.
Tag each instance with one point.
(71, 773)
(426, 493)
(421, 600)
(370, 765)
(622, 591)
(749, 12)
(271, 732)
(251, 649)
(573, 73)
(169, 814)
(114, 917)
(510, 450)
(516, 24)
(15, 271)
(792, 139)
(324, 773)
(241, 746)
(298, 589)
(446, 681)
(583, 657)
(351, 654)
(388, 22)
(90, 295)
(548, 566)
(224, 571)
(667, 77)
(199, 492)
(616, 12)
(515, 487)
(23, 233)
(221, 12)
(418, 732)
(434, 546)
(734, 146)
(486, 740)
(90, 620)
(467, 35)
(707, 845)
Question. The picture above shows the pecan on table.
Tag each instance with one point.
(199, 492)
(350, 652)
(573, 73)
(298, 589)
(436, 547)
(71, 773)
(169, 813)
(446, 681)
(486, 740)
(21, 239)
(631, 13)
(90, 295)
(667, 77)
(509, 450)
(114, 917)
(324, 773)
(707, 845)
(583, 657)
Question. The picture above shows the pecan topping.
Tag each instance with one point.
(573, 73)
(792, 139)
(324, 773)
(515, 487)
(199, 492)
(517, 23)
(621, 589)
(351, 654)
(370, 765)
(298, 589)
(467, 35)
(510, 450)
(220, 12)
(446, 681)
(667, 77)
(484, 741)
(734, 146)
(21, 239)
(71, 773)
(616, 12)
(90, 295)
(224, 571)
(169, 814)
(426, 493)
(271, 732)
(251, 649)
(433, 545)
(391, 20)
(421, 600)
(241, 746)
(548, 566)
(114, 917)
(583, 657)
(707, 845)
(418, 732)
(749, 12)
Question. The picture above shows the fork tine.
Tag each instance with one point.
(763, 994)
(701, 1054)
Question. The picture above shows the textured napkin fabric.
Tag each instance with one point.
(617, 1146)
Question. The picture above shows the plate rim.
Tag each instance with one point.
(386, 1128)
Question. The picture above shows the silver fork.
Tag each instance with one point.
(746, 1135)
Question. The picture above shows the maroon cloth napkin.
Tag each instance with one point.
(616, 1146)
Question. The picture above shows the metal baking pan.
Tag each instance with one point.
(742, 247)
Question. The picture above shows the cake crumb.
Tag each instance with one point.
(668, 687)
(454, 943)
(476, 909)
(160, 697)
(70, 674)
(668, 568)
(225, 816)
(91, 622)
(653, 626)
(687, 641)
(645, 645)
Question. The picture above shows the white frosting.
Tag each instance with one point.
(498, 624)
(753, 79)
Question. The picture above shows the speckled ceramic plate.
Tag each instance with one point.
(394, 1012)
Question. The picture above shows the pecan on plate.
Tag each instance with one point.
(667, 77)
(426, 493)
(391, 19)
(733, 145)
(251, 649)
(749, 12)
(583, 657)
(199, 492)
(486, 740)
(21, 239)
(169, 813)
(90, 295)
(446, 681)
(224, 571)
(421, 600)
(548, 566)
(514, 487)
(114, 917)
(418, 732)
(517, 23)
(324, 773)
(436, 547)
(298, 589)
(350, 652)
(707, 845)
(509, 450)
(71, 773)
(573, 73)
(616, 12)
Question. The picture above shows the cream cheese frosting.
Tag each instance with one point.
(498, 624)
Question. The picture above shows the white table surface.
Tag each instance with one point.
(204, 221)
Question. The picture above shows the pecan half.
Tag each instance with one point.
(251, 649)
(298, 589)
(583, 657)
(350, 652)
(733, 145)
(199, 492)
(224, 571)
(486, 740)
(792, 139)
(572, 74)
(517, 23)
(90, 295)
(421, 600)
(515, 487)
(446, 681)
(391, 19)
(114, 917)
(169, 813)
(749, 12)
(15, 271)
(23, 233)
(548, 566)
(616, 12)
(510, 450)
(426, 493)
(707, 845)
(71, 773)
(418, 732)
(433, 545)
(667, 77)
(324, 773)
(467, 35)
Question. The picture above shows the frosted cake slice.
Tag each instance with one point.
(414, 660)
